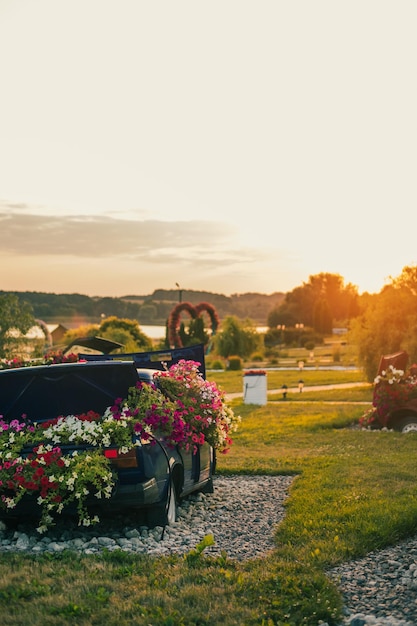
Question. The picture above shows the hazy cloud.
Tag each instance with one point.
(159, 242)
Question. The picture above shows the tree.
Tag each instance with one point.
(196, 333)
(147, 313)
(14, 315)
(341, 299)
(388, 323)
(237, 338)
(279, 317)
(127, 332)
(407, 279)
(318, 303)
(322, 320)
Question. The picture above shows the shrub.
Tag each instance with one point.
(216, 365)
(336, 354)
(234, 363)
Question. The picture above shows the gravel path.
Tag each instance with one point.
(242, 513)
(382, 587)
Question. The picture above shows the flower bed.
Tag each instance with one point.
(393, 389)
(180, 409)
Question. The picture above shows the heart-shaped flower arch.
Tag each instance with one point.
(174, 320)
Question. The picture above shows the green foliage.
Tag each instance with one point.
(236, 337)
(216, 364)
(51, 306)
(194, 555)
(277, 318)
(292, 336)
(273, 337)
(152, 309)
(24, 591)
(86, 330)
(14, 315)
(407, 279)
(195, 334)
(316, 303)
(125, 331)
(388, 323)
(148, 312)
(322, 320)
(336, 354)
(234, 363)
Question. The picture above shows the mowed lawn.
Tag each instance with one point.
(233, 381)
(353, 491)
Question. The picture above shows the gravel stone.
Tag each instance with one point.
(380, 589)
(241, 514)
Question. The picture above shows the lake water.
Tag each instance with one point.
(153, 332)
(158, 332)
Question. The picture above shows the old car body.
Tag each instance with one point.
(92, 345)
(395, 393)
(152, 477)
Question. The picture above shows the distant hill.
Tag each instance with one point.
(147, 309)
(255, 306)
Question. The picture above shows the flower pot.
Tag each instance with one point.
(255, 387)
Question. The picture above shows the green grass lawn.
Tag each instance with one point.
(232, 382)
(353, 491)
(361, 394)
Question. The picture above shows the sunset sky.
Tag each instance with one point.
(229, 146)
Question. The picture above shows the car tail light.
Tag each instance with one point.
(128, 459)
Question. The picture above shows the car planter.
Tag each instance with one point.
(100, 436)
(394, 404)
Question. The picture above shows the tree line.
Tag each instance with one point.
(382, 323)
(150, 309)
